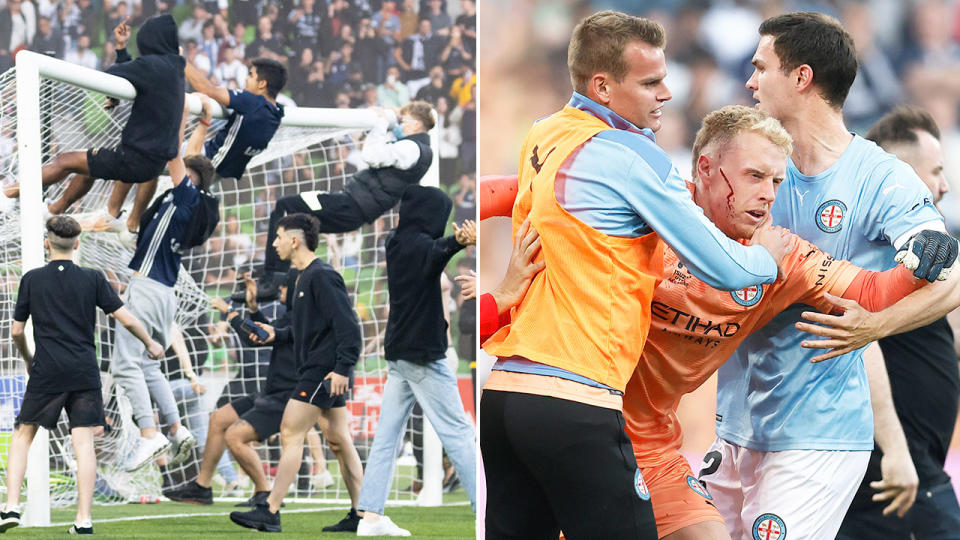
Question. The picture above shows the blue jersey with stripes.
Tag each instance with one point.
(247, 132)
(158, 250)
(770, 397)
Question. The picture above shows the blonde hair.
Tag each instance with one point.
(598, 42)
(721, 126)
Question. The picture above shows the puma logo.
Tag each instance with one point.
(800, 195)
(535, 159)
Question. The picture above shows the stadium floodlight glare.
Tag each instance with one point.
(48, 106)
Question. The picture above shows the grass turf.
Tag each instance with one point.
(299, 520)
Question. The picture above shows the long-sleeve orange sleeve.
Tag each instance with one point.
(496, 195)
(878, 290)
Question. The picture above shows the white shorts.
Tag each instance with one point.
(765, 495)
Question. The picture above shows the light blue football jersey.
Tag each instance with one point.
(769, 396)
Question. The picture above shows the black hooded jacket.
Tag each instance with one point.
(417, 253)
(157, 75)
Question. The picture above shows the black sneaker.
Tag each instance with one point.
(257, 497)
(9, 520)
(192, 493)
(260, 518)
(80, 529)
(347, 524)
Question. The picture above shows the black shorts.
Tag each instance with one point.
(124, 164)
(265, 415)
(84, 408)
(555, 464)
(242, 405)
(311, 390)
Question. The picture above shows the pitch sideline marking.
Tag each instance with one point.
(166, 516)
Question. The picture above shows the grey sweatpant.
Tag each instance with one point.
(155, 305)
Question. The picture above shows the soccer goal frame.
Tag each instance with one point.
(30, 69)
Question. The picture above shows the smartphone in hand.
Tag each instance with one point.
(248, 326)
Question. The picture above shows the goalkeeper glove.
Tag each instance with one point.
(930, 254)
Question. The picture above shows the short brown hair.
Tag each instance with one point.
(820, 42)
(721, 126)
(62, 231)
(900, 126)
(422, 111)
(203, 168)
(598, 42)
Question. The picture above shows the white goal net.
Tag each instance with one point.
(298, 159)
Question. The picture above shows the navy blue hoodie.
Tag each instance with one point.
(417, 253)
(154, 124)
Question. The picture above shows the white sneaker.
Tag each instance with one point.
(180, 445)
(128, 239)
(322, 481)
(232, 489)
(104, 222)
(382, 527)
(146, 451)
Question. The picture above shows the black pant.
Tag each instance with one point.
(553, 464)
(338, 213)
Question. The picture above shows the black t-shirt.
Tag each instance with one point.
(62, 299)
(925, 383)
(326, 334)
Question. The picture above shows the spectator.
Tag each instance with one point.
(387, 24)
(467, 21)
(418, 52)
(464, 198)
(237, 41)
(82, 55)
(231, 72)
(461, 89)
(439, 20)
(449, 147)
(48, 41)
(192, 28)
(209, 45)
(876, 88)
(268, 44)
(319, 89)
(69, 22)
(409, 20)
(468, 128)
(432, 92)
(345, 35)
(392, 93)
(299, 73)
(340, 63)
(307, 22)
(368, 50)
(88, 21)
(216, 7)
(15, 29)
(455, 55)
(197, 57)
(115, 17)
(109, 56)
(370, 97)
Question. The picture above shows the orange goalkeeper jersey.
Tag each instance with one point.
(695, 328)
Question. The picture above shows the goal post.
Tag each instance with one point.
(297, 152)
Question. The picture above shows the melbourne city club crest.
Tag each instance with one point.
(769, 527)
(642, 490)
(749, 296)
(830, 216)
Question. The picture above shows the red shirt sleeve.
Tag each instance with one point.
(490, 319)
(496, 195)
(878, 290)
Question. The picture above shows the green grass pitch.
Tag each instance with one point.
(299, 520)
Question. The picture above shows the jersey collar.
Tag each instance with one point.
(614, 120)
